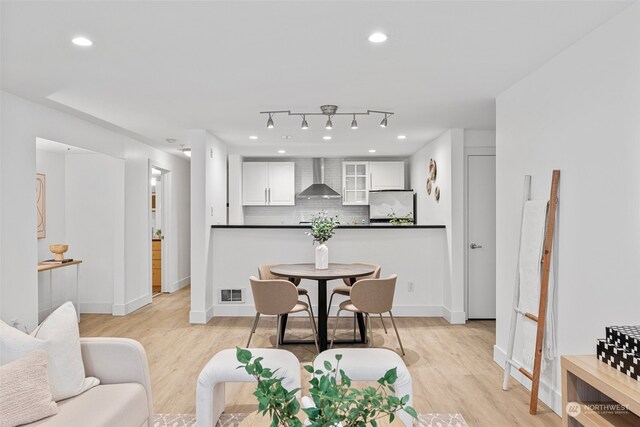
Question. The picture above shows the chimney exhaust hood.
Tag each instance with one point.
(318, 190)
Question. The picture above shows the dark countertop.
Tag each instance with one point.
(367, 226)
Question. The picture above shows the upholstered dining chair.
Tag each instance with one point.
(345, 289)
(264, 273)
(277, 297)
(371, 296)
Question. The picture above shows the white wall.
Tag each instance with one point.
(95, 227)
(22, 122)
(415, 255)
(447, 151)
(208, 207)
(53, 166)
(577, 113)
(479, 138)
(236, 210)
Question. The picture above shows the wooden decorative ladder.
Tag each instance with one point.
(540, 318)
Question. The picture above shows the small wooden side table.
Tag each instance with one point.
(595, 394)
(50, 267)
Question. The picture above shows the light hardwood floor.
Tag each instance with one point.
(452, 366)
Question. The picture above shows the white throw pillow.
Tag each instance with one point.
(25, 396)
(59, 336)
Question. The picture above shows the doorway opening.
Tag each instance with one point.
(159, 201)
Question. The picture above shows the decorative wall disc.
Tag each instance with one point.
(429, 185)
(433, 170)
(437, 194)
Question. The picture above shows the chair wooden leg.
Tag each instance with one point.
(355, 317)
(315, 331)
(383, 325)
(253, 330)
(370, 330)
(278, 332)
(335, 327)
(329, 305)
(397, 334)
(313, 319)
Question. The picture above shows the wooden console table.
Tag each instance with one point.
(50, 267)
(587, 382)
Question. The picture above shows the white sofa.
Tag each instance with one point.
(123, 397)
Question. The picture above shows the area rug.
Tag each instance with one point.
(233, 420)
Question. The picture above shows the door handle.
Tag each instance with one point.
(269, 193)
(265, 196)
(474, 246)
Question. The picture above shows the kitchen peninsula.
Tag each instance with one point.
(416, 253)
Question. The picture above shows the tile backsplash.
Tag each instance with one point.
(306, 208)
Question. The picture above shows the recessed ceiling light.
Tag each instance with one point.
(253, 137)
(286, 137)
(326, 137)
(81, 41)
(378, 38)
(372, 151)
(281, 151)
(402, 136)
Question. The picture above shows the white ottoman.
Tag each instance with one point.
(369, 364)
(221, 369)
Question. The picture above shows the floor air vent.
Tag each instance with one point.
(231, 295)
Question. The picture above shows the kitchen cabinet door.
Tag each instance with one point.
(255, 183)
(355, 183)
(386, 175)
(282, 184)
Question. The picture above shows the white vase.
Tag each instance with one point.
(322, 257)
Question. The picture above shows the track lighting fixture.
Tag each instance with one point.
(329, 125)
(354, 124)
(330, 111)
(383, 123)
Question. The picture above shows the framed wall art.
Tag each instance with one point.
(41, 205)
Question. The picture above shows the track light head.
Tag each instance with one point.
(383, 123)
(354, 124)
(329, 124)
(305, 125)
(270, 122)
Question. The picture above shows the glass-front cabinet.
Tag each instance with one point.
(355, 183)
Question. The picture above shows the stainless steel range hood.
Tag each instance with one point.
(318, 190)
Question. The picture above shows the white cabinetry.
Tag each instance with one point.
(355, 183)
(268, 184)
(358, 178)
(386, 176)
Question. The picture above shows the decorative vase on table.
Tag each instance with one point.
(322, 228)
(322, 257)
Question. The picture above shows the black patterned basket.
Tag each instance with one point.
(618, 358)
(625, 337)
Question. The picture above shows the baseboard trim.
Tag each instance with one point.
(96, 307)
(551, 397)
(454, 317)
(248, 310)
(131, 306)
(176, 286)
(201, 317)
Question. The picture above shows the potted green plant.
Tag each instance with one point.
(401, 220)
(322, 228)
(334, 401)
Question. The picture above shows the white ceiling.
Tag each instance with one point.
(58, 148)
(157, 69)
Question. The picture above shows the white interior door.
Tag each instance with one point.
(481, 243)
